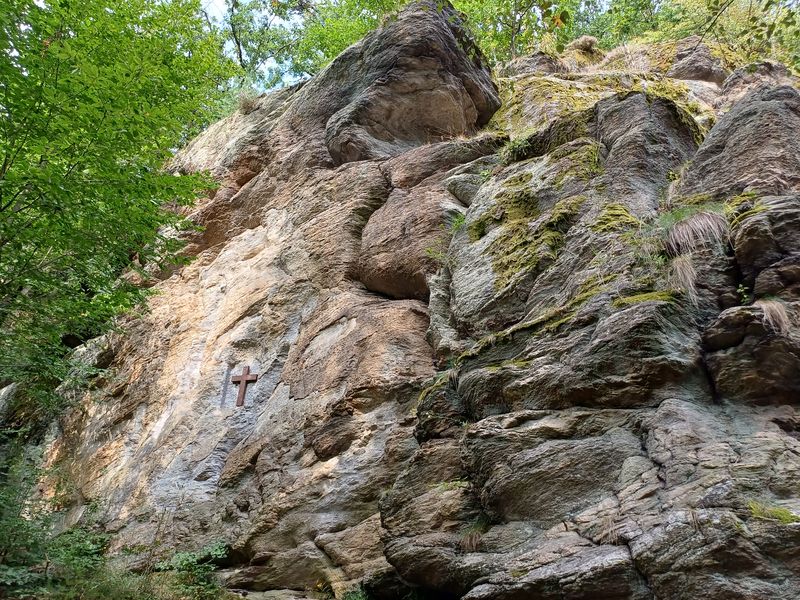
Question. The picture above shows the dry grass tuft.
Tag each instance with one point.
(608, 530)
(775, 315)
(628, 57)
(471, 536)
(683, 276)
(248, 102)
(585, 43)
(699, 230)
(470, 541)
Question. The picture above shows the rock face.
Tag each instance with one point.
(557, 358)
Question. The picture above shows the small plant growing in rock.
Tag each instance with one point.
(323, 590)
(457, 223)
(248, 102)
(772, 513)
(744, 294)
(471, 536)
(438, 253)
(515, 150)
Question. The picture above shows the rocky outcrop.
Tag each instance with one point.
(694, 60)
(556, 358)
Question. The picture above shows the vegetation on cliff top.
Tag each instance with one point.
(278, 39)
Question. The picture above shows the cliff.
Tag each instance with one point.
(534, 337)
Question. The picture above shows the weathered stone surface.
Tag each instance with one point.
(766, 243)
(752, 361)
(694, 60)
(538, 62)
(416, 62)
(763, 122)
(533, 485)
(405, 239)
(487, 370)
(750, 77)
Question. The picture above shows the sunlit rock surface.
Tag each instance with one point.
(547, 348)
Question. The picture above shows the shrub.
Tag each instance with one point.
(77, 553)
(194, 571)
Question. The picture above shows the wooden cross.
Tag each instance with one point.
(242, 380)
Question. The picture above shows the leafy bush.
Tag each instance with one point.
(95, 101)
(24, 520)
(77, 553)
(194, 571)
(358, 594)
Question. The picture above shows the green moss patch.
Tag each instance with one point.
(677, 93)
(548, 321)
(585, 164)
(772, 513)
(544, 141)
(694, 200)
(523, 243)
(738, 208)
(557, 96)
(615, 217)
(656, 296)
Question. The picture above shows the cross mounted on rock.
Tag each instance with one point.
(242, 381)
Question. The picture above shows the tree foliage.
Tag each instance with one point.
(277, 41)
(94, 95)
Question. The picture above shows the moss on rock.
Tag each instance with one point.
(745, 205)
(585, 163)
(615, 217)
(654, 296)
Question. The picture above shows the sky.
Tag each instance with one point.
(214, 8)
